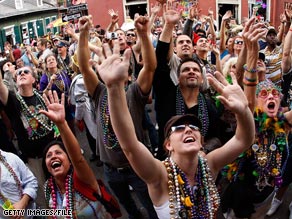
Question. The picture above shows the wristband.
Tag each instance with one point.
(250, 82)
(253, 70)
(251, 79)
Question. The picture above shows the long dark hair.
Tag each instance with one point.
(45, 151)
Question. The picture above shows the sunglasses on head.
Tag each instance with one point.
(181, 128)
(238, 42)
(25, 71)
(265, 93)
(131, 34)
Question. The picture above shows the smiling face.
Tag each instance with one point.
(57, 161)
(185, 139)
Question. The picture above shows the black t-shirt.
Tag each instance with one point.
(32, 136)
(165, 97)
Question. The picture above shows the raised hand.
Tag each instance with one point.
(156, 8)
(227, 15)
(113, 68)
(141, 24)
(231, 95)
(252, 33)
(56, 110)
(194, 11)
(85, 23)
(69, 29)
(170, 13)
(114, 16)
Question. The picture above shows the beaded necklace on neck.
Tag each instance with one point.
(199, 201)
(202, 110)
(60, 81)
(50, 190)
(109, 138)
(16, 179)
(37, 117)
(270, 143)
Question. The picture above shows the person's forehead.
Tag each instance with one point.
(190, 64)
(183, 38)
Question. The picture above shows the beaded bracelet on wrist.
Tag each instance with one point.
(250, 84)
(253, 70)
(251, 79)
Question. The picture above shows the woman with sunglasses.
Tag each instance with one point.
(181, 186)
(257, 172)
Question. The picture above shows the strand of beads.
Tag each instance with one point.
(43, 120)
(13, 174)
(171, 188)
(69, 195)
(202, 110)
(108, 134)
(50, 191)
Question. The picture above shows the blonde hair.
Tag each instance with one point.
(227, 66)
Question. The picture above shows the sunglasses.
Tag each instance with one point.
(181, 128)
(265, 93)
(130, 34)
(238, 42)
(25, 71)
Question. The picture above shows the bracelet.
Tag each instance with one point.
(249, 83)
(250, 79)
(253, 70)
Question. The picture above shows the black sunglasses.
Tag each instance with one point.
(25, 71)
(239, 42)
(131, 34)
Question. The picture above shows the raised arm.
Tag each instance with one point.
(56, 113)
(3, 91)
(83, 55)
(171, 17)
(114, 21)
(146, 74)
(225, 18)
(287, 58)
(113, 72)
(233, 98)
(252, 33)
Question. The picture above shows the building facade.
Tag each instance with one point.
(269, 9)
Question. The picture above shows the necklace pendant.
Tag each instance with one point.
(183, 213)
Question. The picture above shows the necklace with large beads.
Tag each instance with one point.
(202, 110)
(50, 191)
(271, 141)
(6, 202)
(34, 118)
(197, 202)
(109, 138)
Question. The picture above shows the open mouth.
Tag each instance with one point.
(271, 106)
(55, 164)
(189, 140)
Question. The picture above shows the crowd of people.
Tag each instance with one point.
(222, 102)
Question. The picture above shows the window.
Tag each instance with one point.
(18, 4)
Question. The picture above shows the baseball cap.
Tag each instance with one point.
(62, 43)
(180, 120)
